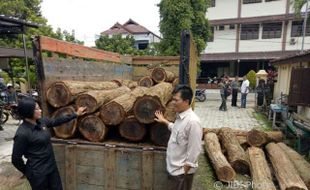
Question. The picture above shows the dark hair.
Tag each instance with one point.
(26, 108)
(185, 91)
(10, 87)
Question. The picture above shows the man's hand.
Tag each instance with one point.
(186, 168)
(160, 118)
(81, 111)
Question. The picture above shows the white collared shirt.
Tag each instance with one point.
(245, 86)
(184, 145)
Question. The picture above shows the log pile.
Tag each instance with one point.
(265, 157)
(124, 105)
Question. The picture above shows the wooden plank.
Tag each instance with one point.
(70, 166)
(110, 168)
(91, 175)
(160, 179)
(54, 45)
(147, 170)
(90, 157)
(85, 186)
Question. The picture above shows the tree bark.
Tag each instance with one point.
(92, 128)
(161, 75)
(160, 134)
(259, 138)
(217, 131)
(66, 130)
(301, 165)
(236, 155)
(146, 82)
(175, 82)
(131, 129)
(222, 168)
(260, 171)
(170, 114)
(94, 99)
(155, 99)
(114, 112)
(62, 93)
(129, 83)
(285, 171)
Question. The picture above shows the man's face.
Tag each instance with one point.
(179, 104)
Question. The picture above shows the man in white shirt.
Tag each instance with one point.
(184, 145)
(244, 91)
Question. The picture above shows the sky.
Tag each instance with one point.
(91, 17)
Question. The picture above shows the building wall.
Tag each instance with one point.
(264, 8)
(297, 40)
(230, 8)
(224, 41)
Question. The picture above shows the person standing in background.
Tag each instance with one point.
(245, 89)
(235, 88)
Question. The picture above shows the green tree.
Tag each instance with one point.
(123, 45)
(251, 76)
(177, 15)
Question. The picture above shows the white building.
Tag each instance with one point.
(248, 34)
(143, 37)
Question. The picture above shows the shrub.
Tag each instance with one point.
(252, 79)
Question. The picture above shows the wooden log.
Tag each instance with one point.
(161, 75)
(260, 171)
(92, 128)
(62, 93)
(129, 83)
(131, 129)
(175, 82)
(222, 168)
(284, 169)
(217, 131)
(155, 99)
(301, 165)
(170, 114)
(146, 81)
(259, 138)
(66, 130)
(160, 134)
(94, 99)
(114, 112)
(236, 155)
(243, 142)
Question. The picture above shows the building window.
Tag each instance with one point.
(232, 27)
(211, 37)
(249, 31)
(270, 0)
(212, 3)
(297, 29)
(272, 30)
(221, 27)
(251, 1)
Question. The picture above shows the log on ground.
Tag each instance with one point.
(155, 99)
(260, 171)
(301, 165)
(260, 138)
(170, 114)
(92, 128)
(161, 75)
(222, 168)
(160, 134)
(236, 154)
(62, 93)
(94, 99)
(146, 81)
(131, 129)
(284, 169)
(114, 112)
(65, 130)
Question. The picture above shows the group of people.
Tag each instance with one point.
(8, 96)
(228, 88)
(33, 142)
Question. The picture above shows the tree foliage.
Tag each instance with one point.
(251, 76)
(177, 15)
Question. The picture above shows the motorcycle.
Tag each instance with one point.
(200, 95)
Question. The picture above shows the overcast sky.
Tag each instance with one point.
(91, 17)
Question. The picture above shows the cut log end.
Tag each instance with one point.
(160, 134)
(146, 82)
(112, 113)
(85, 100)
(58, 95)
(241, 166)
(158, 75)
(132, 130)
(226, 174)
(66, 130)
(92, 128)
(256, 138)
(145, 107)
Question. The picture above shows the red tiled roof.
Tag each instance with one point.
(117, 28)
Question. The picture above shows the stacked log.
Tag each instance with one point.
(222, 168)
(236, 155)
(170, 114)
(154, 99)
(114, 112)
(260, 138)
(131, 129)
(161, 75)
(285, 171)
(146, 82)
(160, 134)
(65, 130)
(92, 128)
